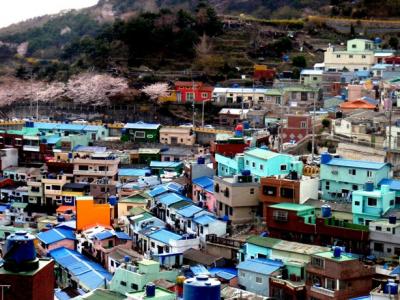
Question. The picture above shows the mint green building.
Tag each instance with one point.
(131, 279)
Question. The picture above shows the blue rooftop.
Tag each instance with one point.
(170, 186)
(104, 235)
(142, 125)
(67, 224)
(392, 183)
(122, 235)
(65, 126)
(165, 164)
(171, 198)
(204, 182)
(189, 211)
(90, 274)
(204, 219)
(164, 236)
(133, 172)
(158, 190)
(261, 266)
(199, 269)
(53, 139)
(80, 148)
(3, 208)
(55, 235)
(361, 164)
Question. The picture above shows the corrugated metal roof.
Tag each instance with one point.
(104, 235)
(262, 153)
(90, 274)
(165, 164)
(189, 211)
(165, 236)
(55, 235)
(204, 182)
(260, 266)
(204, 220)
(133, 172)
(170, 198)
(122, 235)
(392, 183)
(361, 164)
(142, 125)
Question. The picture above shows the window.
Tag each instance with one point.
(152, 244)
(352, 171)
(83, 168)
(355, 187)
(378, 247)
(204, 95)
(201, 230)
(278, 100)
(226, 193)
(303, 124)
(258, 279)
(230, 211)
(251, 191)
(369, 173)
(123, 283)
(294, 95)
(253, 164)
(337, 55)
(269, 190)
(189, 224)
(220, 206)
(357, 203)
(134, 286)
(287, 193)
(261, 167)
(216, 188)
(353, 46)
(140, 134)
(280, 215)
(331, 284)
(56, 187)
(350, 56)
(242, 274)
(388, 250)
(372, 201)
(189, 96)
(247, 162)
(363, 56)
(283, 167)
(317, 262)
(391, 203)
(103, 168)
(378, 228)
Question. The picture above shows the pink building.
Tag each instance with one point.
(203, 193)
(55, 238)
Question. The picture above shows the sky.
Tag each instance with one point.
(13, 11)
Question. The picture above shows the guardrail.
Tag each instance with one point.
(212, 238)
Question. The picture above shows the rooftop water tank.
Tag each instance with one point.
(391, 288)
(377, 40)
(201, 287)
(246, 124)
(337, 251)
(369, 186)
(325, 158)
(326, 211)
(60, 219)
(150, 290)
(112, 200)
(246, 173)
(201, 160)
(20, 254)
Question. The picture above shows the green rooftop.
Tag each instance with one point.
(180, 204)
(144, 216)
(101, 294)
(24, 131)
(134, 199)
(261, 153)
(161, 294)
(329, 255)
(263, 241)
(273, 92)
(299, 89)
(292, 206)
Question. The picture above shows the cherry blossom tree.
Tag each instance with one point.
(156, 90)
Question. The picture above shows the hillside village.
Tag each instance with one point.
(273, 176)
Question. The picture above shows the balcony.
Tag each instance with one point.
(95, 173)
(323, 291)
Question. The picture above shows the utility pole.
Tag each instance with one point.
(202, 113)
(193, 102)
(389, 149)
(313, 133)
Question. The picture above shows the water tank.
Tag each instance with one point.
(201, 160)
(112, 200)
(147, 174)
(326, 211)
(123, 131)
(264, 234)
(391, 288)
(69, 155)
(246, 172)
(60, 219)
(369, 186)
(377, 40)
(246, 124)
(392, 219)
(343, 96)
(325, 158)
(20, 253)
(201, 288)
(239, 127)
(127, 258)
(337, 251)
(150, 290)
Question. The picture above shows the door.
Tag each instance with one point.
(178, 97)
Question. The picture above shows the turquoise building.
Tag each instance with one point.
(394, 185)
(340, 177)
(370, 205)
(260, 162)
